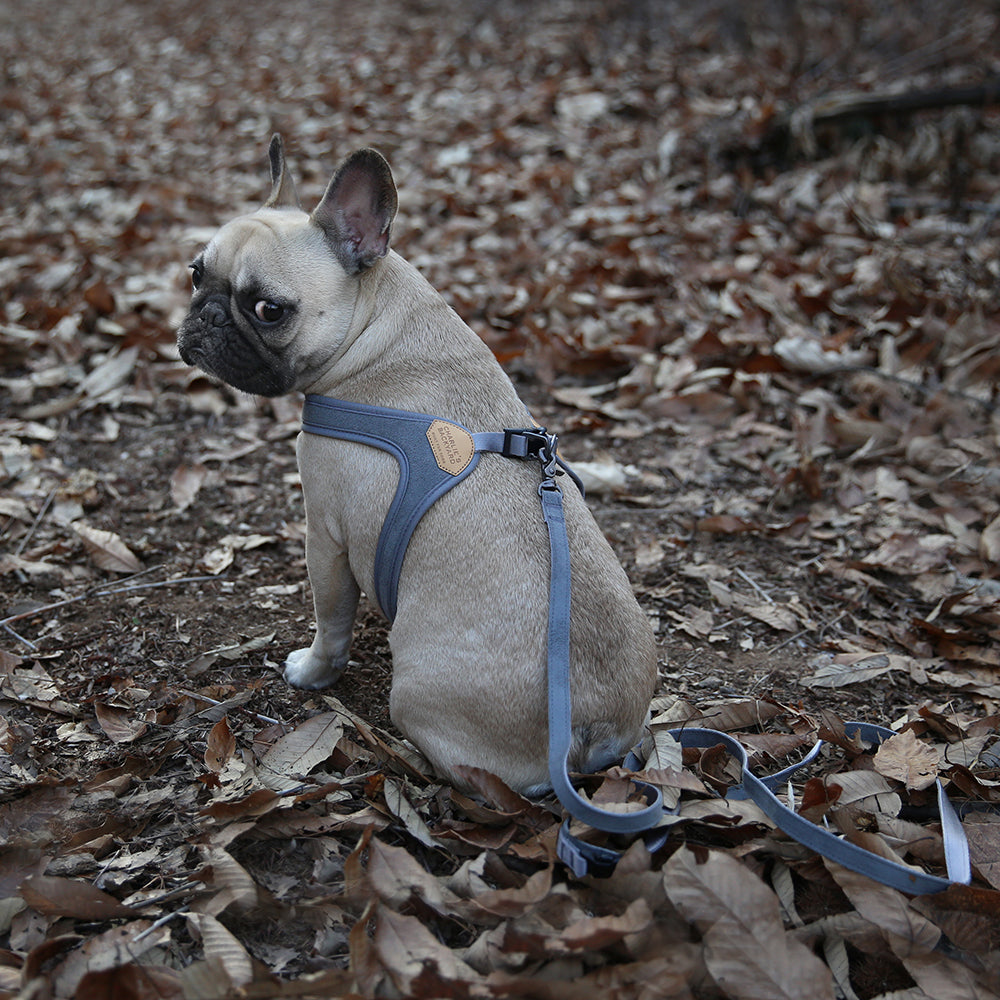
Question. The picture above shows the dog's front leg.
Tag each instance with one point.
(335, 596)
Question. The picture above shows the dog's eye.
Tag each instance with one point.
(267, 311)
(196, 275)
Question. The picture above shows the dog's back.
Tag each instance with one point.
(469, 637)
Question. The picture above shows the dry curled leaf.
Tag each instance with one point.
(748, 951)
(909, 760)
(220, 745)
(185, 483)
(119, 724)
(222, 947)
(107, 550)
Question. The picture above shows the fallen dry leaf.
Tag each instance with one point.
(989, 541)
(107, 550)
(221, 947)
(119, 724)
(220, 745)
(405, 948)
(908, 760)
(113, 948)
(888, 910)
(185, 483)
(288, 761)
(64, 897)
(747, 950)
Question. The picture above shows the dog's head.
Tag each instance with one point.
(274, 291)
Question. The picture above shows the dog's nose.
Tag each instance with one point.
(214, 314)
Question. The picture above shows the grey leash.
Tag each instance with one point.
(560, 707)
(583, 858)
(823, 841)
(423, 478)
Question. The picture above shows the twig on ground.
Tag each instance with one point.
(20, 638)
(29, 534)
(21, 575)
(753, 583)
(212, 701)
(790, 640)
(808, 631)
(103, 591)
(157, 924)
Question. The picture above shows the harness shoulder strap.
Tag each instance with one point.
(433, 455)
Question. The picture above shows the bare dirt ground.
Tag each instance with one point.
(770, 339)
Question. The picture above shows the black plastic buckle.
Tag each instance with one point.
(582, 858)
(527, 442)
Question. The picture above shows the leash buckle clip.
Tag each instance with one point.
(525, 442)
(531, 442)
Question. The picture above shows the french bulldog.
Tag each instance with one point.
(286, 301)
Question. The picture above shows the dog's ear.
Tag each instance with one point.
(282, 186)
(357, 210)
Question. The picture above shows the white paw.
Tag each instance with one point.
(305, 670)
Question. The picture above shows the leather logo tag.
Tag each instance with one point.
(452, 446)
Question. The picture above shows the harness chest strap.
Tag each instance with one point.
(423, 475)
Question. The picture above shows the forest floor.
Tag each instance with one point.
(769, 338)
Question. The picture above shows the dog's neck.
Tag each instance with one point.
(402, 336)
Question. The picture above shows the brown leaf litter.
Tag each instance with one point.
(775, 365)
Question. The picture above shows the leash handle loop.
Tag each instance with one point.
(584, 857)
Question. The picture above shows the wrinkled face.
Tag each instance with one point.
(271, 304)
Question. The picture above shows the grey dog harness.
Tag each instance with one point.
(434, 455)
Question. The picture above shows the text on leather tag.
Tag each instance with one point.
(452, 446)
